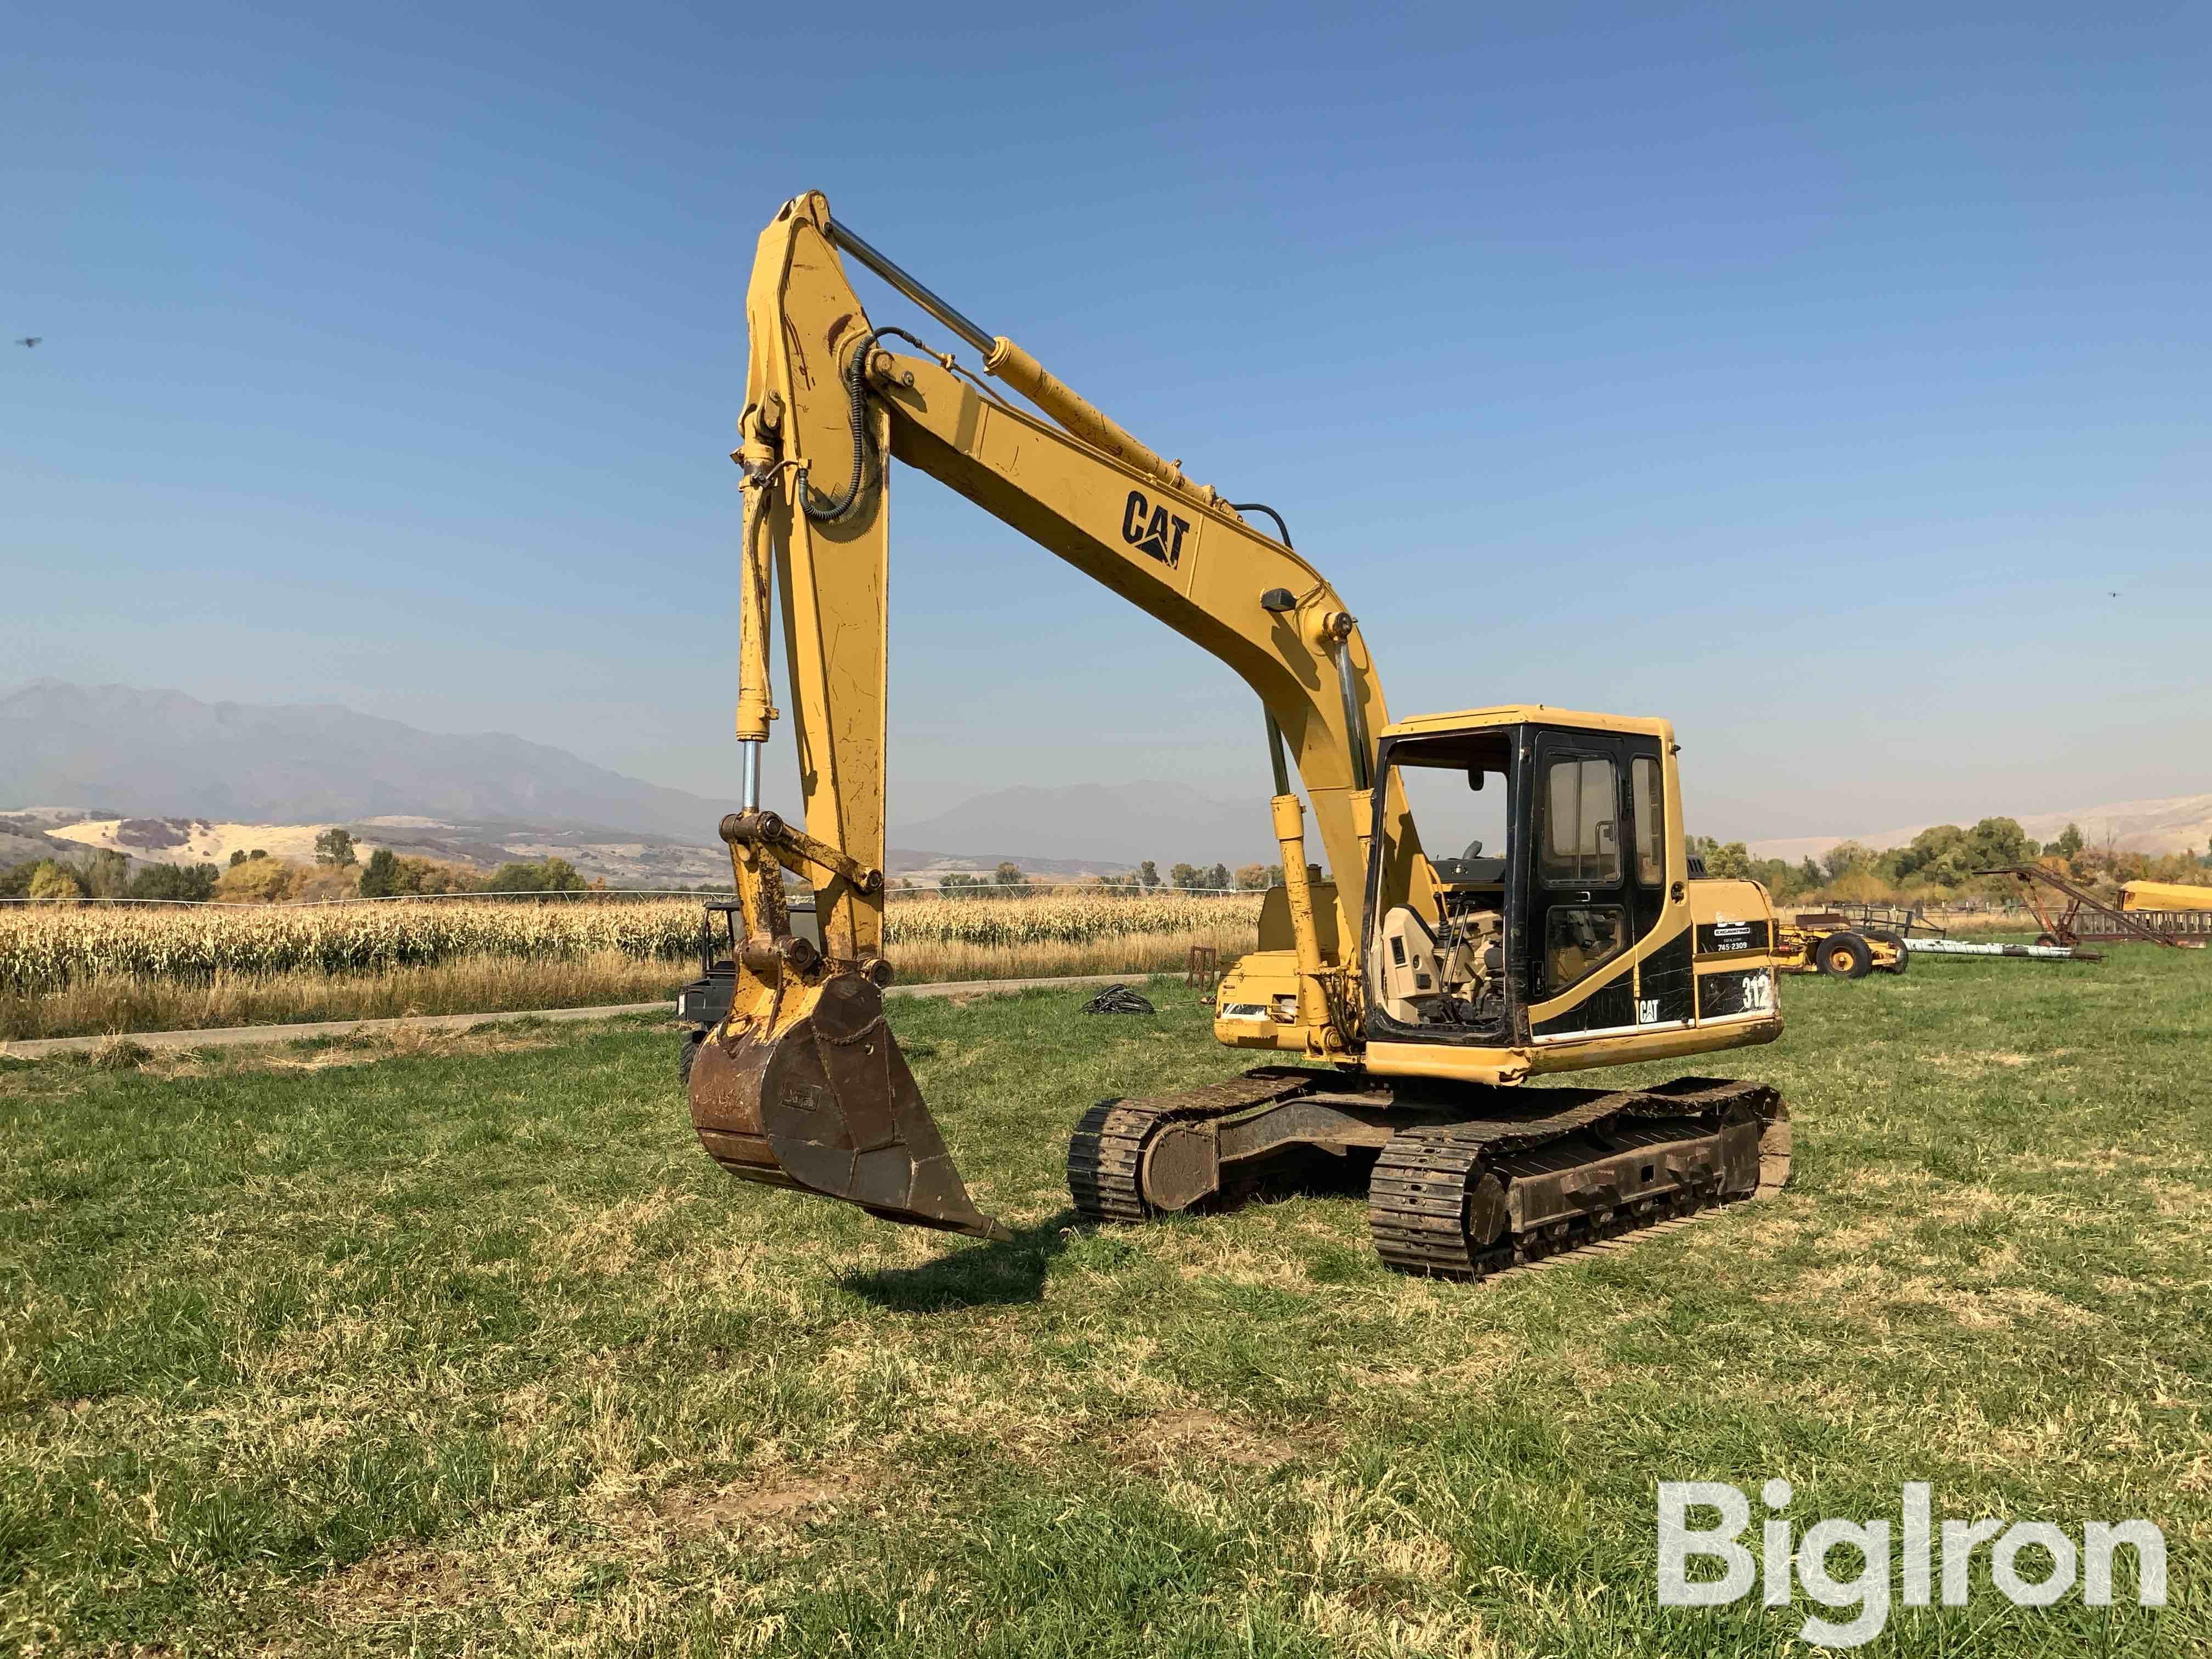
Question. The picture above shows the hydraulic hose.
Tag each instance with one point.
(1281, 528)
(826, 510)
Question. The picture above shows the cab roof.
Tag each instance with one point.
(1529, 714)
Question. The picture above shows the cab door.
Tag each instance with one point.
(1582, 909)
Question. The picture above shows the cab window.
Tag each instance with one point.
(1651, 820)
(1578, 940)
(1582, 821)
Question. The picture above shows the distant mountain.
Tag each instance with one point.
(621, 857)
(1112, 826)
(2176, 823)
(116, 753)
(152, 753)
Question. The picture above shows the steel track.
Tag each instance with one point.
(1419, 1193)
(1416, 1204)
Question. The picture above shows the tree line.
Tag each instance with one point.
(255, 877)
(1008, 878)
(1940, 862)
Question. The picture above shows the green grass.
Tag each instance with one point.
(473, 1350)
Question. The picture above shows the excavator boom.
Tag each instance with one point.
(825, 402)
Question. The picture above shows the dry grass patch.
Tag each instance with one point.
(775, 1496)
(1169, 1440)
(1365, 1623)
(166, 1063)
(2178, 1200)
(1976, 1062)
(407, 1582)
(606, 1241)
(1872, 1292)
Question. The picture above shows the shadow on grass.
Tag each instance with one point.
(1001, 1274)
(996, 1275)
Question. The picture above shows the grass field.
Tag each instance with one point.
(461, 1346)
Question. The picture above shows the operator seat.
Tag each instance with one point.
(1471, 869)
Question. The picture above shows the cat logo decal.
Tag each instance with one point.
(1153, 530)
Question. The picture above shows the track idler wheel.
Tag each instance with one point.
(1129, 1163)
(1434, 1208)
(1131, 1160)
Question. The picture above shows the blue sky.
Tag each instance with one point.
(1814, 381)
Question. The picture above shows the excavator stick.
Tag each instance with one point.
(811, 1092)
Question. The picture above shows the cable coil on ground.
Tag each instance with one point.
(1117, 1000)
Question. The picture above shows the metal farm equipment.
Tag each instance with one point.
(2082, 915)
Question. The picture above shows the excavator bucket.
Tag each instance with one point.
(815, 1095)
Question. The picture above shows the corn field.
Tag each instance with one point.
(47, 948)
(1061, 919)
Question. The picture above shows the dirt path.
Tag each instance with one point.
(232, 1035)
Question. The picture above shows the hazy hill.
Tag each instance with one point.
(162, 753)
(1111, 826)
(630, 859)
(128, 761)
(115, 752)
(2177, 823)
(25, 840)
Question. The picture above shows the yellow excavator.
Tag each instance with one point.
(1404, 1001)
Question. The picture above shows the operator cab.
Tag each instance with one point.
(1549, 865)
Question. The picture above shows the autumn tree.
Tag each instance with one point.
(256, 879)
(106, 874)
(1731, 862)
(1845, 857)
(551, 875)
(175, 881)
(54, 882)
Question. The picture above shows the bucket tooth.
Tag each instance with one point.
(825, 1102)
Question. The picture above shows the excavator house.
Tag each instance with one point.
(1507, 894)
